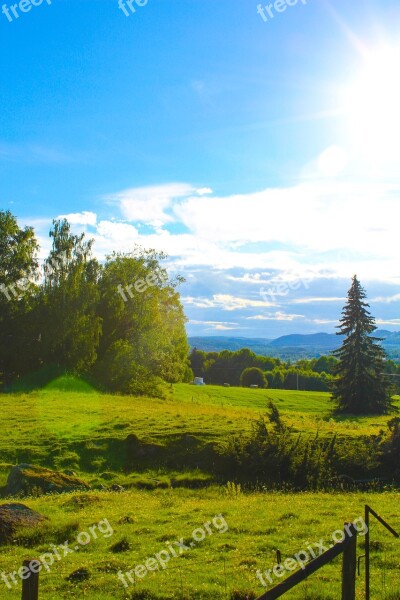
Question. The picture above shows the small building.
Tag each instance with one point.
(198, 381)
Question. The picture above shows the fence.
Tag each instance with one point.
(347, 548)
(349, 568)
(369, 511)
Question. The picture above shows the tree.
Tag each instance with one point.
(69, 325)
(197, 360)
(143, 323)
(360, 387)
(253, 376)
(18, 272)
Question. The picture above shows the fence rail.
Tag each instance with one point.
(347, 548)
(370, 511)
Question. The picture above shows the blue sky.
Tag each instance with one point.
(263, 157)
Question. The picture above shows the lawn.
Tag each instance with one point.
(224, 562)
(70, 425)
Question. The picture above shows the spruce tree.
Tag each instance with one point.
(360, 386)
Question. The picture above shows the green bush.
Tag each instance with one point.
(253, 376)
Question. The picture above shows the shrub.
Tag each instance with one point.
(253, 376)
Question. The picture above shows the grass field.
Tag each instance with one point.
(70, 425)
(258, 525)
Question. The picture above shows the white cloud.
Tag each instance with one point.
(148, 204)
(251, 278)
(315, 300)
(226, 302)
(278, 316)
(308, 216)
(305, 221)
(194, 322)
(324, 321)
(83, 218)
(203, 191)
(388, 322)
(387, 299)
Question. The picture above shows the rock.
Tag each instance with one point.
(15, 516)
(121, 546)
(25, 478)
(81, 501)
(117, 488)
(70, 473)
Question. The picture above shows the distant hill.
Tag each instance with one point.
(325, 341)
(291, 347)
(217, 343)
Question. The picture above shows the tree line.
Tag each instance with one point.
(122, 324)
(359, 374)
(245, 368)
(68, 314)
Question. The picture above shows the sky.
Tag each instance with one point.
(258, 145)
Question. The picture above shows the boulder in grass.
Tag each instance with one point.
(15, 516)
(25, 479)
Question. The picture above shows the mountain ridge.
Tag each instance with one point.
(289, 346)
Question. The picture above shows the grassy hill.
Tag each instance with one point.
(70, 425)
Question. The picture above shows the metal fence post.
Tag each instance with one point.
(349, 563)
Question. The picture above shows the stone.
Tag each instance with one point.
(25, 479)
(15, 516)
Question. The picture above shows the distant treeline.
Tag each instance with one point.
(244, 367)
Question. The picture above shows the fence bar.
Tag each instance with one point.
(349, 567)
(368, 511)
(30, 586)
(308, 569)
(382, 521)
(366, 520)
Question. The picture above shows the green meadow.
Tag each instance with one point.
(69, 425)
(223, 565)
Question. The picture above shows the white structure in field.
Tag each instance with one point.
(198, 381)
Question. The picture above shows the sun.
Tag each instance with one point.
(372, 105)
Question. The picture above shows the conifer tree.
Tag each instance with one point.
(360, 387)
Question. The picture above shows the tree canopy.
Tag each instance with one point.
(360, 386)
(121, 323)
